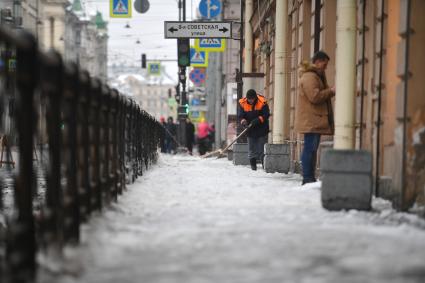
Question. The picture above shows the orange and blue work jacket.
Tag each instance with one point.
(259, 109)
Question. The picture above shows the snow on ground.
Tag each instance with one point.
(192, 220)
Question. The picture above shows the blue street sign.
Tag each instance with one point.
(210, 8)
(196, 102)
(120, 8)
(154, 69)
(198, 58)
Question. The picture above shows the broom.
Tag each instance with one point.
(220, 152)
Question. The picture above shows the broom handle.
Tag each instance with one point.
(243, 132)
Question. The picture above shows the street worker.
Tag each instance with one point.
(314, 115)
(254, 112)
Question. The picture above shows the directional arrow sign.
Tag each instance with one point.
(210, 8)
(198, 29)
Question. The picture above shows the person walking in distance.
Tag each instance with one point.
(314, 115)
(162, 134)
(190, 135)
(202, 136)
(254, 111)
(170, 135)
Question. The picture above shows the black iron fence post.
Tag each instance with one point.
(129, 142)
(121, 143)
(140, 122)
(70, 139)
(95, 125)
(114, 173)
(51, 86)
(134, 141)
(104, 143)
(21, 245)
(83, 140)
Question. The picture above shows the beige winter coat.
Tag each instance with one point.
(314, 108)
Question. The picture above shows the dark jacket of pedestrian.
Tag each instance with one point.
(170, 135)
(171, 130)
(314, 110)
(257, 113)
(162, 136)
(190, 133)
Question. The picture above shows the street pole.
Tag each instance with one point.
(219, 94)
(184, 98)
(182, 71)
(239, 72)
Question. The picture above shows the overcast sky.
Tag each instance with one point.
(147, 27)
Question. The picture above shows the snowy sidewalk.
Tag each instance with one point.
(189, 220)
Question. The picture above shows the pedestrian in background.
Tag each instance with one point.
(211, 137)
(254, 111)
(170, 135)
(314, 116)
(203, 131)
(190, 135)
(162, 134)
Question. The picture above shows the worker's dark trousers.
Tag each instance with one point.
(256, 147)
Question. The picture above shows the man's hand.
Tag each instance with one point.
(244, 122)
(255, 122)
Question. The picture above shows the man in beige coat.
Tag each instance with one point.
(314, 115)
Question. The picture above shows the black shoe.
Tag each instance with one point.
(253, 163)
(308, 181)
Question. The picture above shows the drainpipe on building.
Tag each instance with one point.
(240, 149)
(404, 205)
(277, 157)
(346, 173)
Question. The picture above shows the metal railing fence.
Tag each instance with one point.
(91, 142)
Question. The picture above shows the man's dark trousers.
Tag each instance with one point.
(309, 156)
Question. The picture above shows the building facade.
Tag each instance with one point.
(46, 20)
(86, 40)
(156, 99)
(389, 103)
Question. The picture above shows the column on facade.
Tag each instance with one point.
(248, 37)
(345, 74)
(280, 88)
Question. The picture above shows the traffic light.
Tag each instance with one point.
(182, 75)
(183, 52)
(143, 61)
(183, 111)
(177, 95)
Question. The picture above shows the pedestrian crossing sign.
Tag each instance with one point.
(198, 58)
(120, 8)
(154, 69)
(210, 44)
